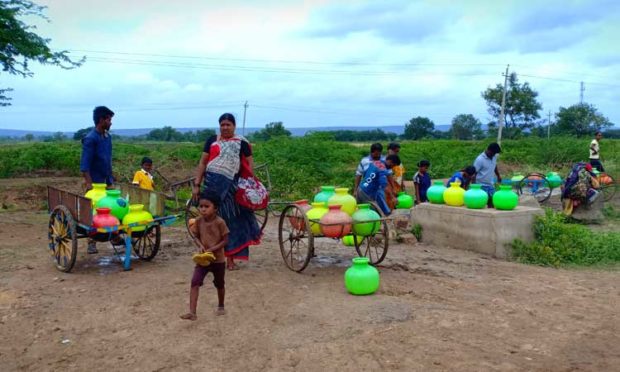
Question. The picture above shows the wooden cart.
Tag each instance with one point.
(296, 238)
(71, 218)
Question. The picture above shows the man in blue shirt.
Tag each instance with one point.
(486, 167)
(374, 181)
(96, 161)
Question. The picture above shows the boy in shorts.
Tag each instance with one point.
(211, 235)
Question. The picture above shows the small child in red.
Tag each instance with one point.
(211, 235)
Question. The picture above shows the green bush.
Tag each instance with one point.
(558, 243)
(299, 165)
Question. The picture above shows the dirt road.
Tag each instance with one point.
(437, 309)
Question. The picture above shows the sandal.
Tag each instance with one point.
(189, 316)
(232, 267)
(220, 311)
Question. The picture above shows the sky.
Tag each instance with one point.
(312, 63)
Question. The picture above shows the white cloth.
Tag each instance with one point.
(594, 149)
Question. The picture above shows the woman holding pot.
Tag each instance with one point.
(224, 157)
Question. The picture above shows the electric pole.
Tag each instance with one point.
(549, 126)
(245, 107)
(501, 114)
(581, 90)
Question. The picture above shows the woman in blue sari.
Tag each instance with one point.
(224, 157)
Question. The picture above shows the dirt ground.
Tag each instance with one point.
(437, 309)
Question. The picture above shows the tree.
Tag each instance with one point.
(166, 134)
(521, 109)
(419, 127)
(77, 136)
(19, 44)
(466, 127)
(272, 130)
(29, 137)
(580, 120)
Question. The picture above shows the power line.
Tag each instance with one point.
(226, 59)
(568, 80)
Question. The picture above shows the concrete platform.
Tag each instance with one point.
(487, 231)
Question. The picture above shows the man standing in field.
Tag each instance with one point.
(486, 166)
(595, 156)
(96, 161)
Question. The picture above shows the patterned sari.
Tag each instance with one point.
(221, 176)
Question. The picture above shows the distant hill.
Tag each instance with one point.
(398, 129)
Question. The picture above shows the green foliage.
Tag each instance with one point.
(581, 119)
(19, 45)
(358, 135)
(299, 165)
(466, 127)
(77, 136)
(559, 243)
(418, 128)
(521, 109)
(416, 230)
(169, 134)
(271, 130)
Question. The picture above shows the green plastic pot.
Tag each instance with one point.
(361, 226)
(324, 195)
(361, 278)
(115, 202)
(405, 201)
(505, 199)
(435, 192)
(554, 179)
(475, 197)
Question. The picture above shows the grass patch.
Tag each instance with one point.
(561, 243)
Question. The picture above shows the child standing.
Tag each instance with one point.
(211, 235)
(422, 181)
(373, 184)
(143, 178)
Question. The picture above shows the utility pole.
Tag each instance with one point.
(245, 107)
(501, 114)
(581, 90)
(549, 125)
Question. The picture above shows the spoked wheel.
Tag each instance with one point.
(62, 237)
(295, 237)
(536, 185)
(608, 186)
(262, 215)
(191, 213)
(146, 243)
(375, 246)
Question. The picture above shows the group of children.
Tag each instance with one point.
(379, 178)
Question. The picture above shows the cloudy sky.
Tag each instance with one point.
(313, 63)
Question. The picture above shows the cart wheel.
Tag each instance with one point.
(608, 186)
(62, 238)
(191, 213)
(262, 215)
(295, 237)
(146, 243)
(375, 246)
(536, 185)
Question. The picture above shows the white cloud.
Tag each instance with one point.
(316, 61)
